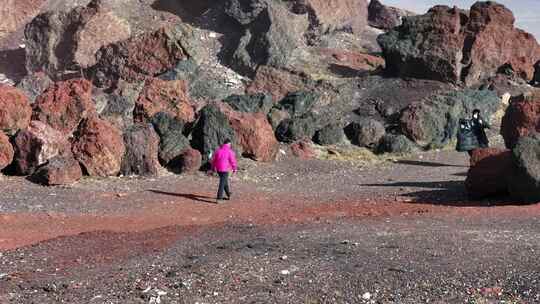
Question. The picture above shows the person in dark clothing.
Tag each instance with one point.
(223, 161)
(466, 140)
(479, 125)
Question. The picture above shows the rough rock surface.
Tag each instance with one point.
(275, 82)
(433, 123)
(36, 145)
(524, 183)
(259, 102)
(141, 157)
(366, 133)
(536, 78)
(15, 110)
(303, 149)
(164, 96)
(211, 130)
(58, 40)
(488, 175)
(450, 45)
(64, 105)
(398, 144)
(6, 151)
(254, 135)
(522, 117)
(34, 85)
(15, 13)
(146, 55)
(189, 161)
(171, 135)
(333, 15)
(330, 135)
(58, 171)
(384, 17)
(294, 129)
(99, 147)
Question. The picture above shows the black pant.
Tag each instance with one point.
(223, 185)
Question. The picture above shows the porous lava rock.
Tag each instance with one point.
(142, 145)
(15, 110)
(522, 117)
(6, 151)
(524, 182)
(58, 171)
(211, 130)
(172, 141)
(489, 171)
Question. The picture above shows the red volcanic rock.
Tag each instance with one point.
(338, 14)
(58, 171)
(99, 147)
(303, 149)
(36, 145)
(6, 151)
(143, 56)
(253, 134)
(384, 17)
(488, 175)
(15, 13)
(170, 97)
(275, 82)
(452, 45)
(64, 105)
(15, 110)
(142, 145)
(190, 161)
(354, 60)
(522, 118)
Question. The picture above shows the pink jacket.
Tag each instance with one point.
(224, 159)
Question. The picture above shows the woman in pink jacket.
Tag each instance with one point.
(223, 161)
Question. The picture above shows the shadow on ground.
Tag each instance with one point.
(190, 196)
(426, 164)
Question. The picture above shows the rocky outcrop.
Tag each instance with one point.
(330, 135)
(524, 182)
(398, 144)
(99, 147)
(64, 105)
(59, 41)
(366, 133)
(303, 149)
(146, 55)
(488, 174)
(58, 171)
(256, 103)
(294, 129)
(254, 135)
(34, 85)
(449, 44)
(141, 157)
(171, 135)
(15, 110)
(118, 106)
(36, 145)
(277, 83)
(536, 78)
(6, 151)
(522, 117)
(434, 122)
(189, 161)
(164, 96)
(211, 130)
(384, 17)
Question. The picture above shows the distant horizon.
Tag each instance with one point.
(527, 17)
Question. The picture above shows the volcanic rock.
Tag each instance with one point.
(399, 144)
(171, 134)
(366, 133)
(536, 78)
(164, 96)
(64, 105)
(330, 135)
(488, 175)
(99, 147)
(141, 157)
(211, 130)
(6, 151)
(36, 145)
(34, 85)
(58, 171)
(448, 44)
(15, 110)
(384, 17)
(522, 118)
(294, 129)
(335, 15)
(275, 82)
(189, 161)
(256, 103)
(524, 183)
(303, 149)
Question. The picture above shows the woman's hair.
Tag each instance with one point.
(476, 111)
(226, 141)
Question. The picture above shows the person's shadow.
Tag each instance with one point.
(190, 196)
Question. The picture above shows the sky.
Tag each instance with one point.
(527, 12)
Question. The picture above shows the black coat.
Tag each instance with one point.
(466, 138)
(479, 125)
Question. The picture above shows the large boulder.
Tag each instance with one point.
(278, 83)
(384, 17)
(524, 182)
(189, 161)
(141, 157)
(298, 104)
(15, 13)
(65, 104)
(488, 174)
(146, 55)
(58, 171)
(536, 78)
(164, 96)
(171, 135)
(448, 44)
(15, 110)
(6, 151)
(211, 130)
(330, 135)
(294, 129)
(99, 147)
(254, 134)
(366, 133)
(434, 122)
(272, 34)
(521, 118)
(398, 144)
(255, 103)
(57, 41)
(36, 145)
(34, 85)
